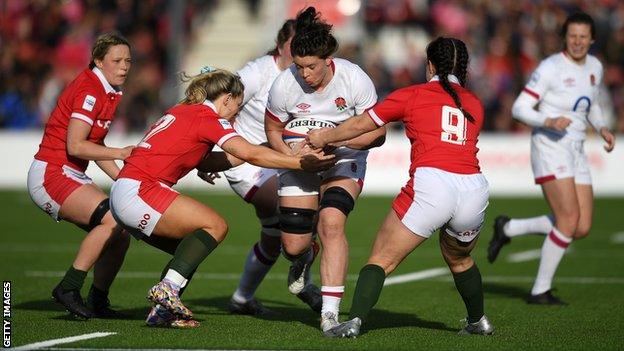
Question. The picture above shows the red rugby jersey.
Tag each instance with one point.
(440, 135)
(176, 143)
(89, 98)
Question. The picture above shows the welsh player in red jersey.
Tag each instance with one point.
(446, 189)
(74, 135)
(144, 202)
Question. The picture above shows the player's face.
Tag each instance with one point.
(116, 64)
(314, 70)
(578, 40)
(231, 106)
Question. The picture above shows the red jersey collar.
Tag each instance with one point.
(107, 86)
(211, 105)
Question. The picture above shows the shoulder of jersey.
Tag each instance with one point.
(594, 61)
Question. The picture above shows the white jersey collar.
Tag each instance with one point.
(451, 78)
(211, 105)
(107, 86)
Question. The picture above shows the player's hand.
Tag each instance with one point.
(608, 137)
(558, 123)
(125, 152)
(316, 160)
(208, 177)
(315, 137)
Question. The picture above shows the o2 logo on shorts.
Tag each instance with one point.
(144, 221)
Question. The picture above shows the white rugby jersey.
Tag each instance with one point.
(350, 92)
(562, 88)
(257, 77)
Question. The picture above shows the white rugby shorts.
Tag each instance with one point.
(434, 198)
(49, 185)
(138, 205)
(300, 183)
(557, 158)
(246, 179)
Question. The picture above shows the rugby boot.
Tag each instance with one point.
(329, 320)
(99, 304)
(499, 239)
(161, 317)
(72, 301)
(166, 295)
(545, 298)
(252, 307)
(481, 327)
(348, 329)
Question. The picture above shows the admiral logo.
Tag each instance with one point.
(568, 82)
(225, 123)
(89, 103)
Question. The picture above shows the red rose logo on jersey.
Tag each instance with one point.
(341, 103)
(592, 79)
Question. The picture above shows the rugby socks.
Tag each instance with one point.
(97, 297)
(332, 295)
(73, 279)
(534, 225)
(367, 291)
(469, 286)
(257, 265)
(553, 249)
(193, 249)
(184, 285)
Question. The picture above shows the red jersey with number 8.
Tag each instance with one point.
(176, 143)
(440, 135)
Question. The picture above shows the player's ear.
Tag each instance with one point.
(98, 63)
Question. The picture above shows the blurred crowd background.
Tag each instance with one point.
(45, 44)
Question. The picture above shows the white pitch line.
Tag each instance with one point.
(410, 277)
(530, 279)
(618, 238)
(48, 343)
(525, 256)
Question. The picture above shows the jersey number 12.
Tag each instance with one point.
(453, 126)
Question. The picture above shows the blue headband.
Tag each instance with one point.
(207, 69)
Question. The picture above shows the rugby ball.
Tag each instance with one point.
(296, 129)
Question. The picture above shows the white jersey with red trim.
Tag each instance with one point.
(257, 76)
(562, 87)
(350, 92)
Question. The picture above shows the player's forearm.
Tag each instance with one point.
(265, 157)
(595, 118)
(218, 162)
(350, 129)
(87, 150)
(276, 142)
(109, 167)
(523, 111)
(368, 140)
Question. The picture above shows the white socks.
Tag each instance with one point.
(553, 249)
(176, 279)
(257, 265)
(332, 295)
(534, 225)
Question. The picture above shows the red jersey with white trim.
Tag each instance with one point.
(176, 143)
(89, 98)
(440, 135)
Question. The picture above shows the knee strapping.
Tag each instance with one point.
(339, 198)
(296, 220)
(97, 215)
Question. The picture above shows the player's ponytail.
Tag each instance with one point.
(313, 36)
(210, 84)
(450, 56)
(287, 31)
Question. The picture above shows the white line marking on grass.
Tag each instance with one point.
(410, 277)
(107, 349)
(524, 256)
(618, 238)
(48, 343)
(529, 279)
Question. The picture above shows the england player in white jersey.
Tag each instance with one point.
(258, 185)
(324, 88)
(565, 85)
